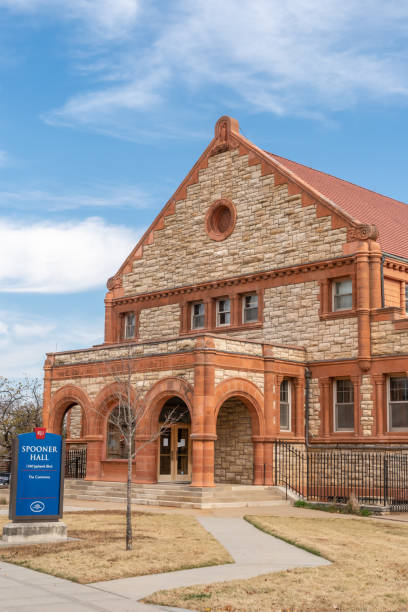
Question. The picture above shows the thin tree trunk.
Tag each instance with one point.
(129, 534)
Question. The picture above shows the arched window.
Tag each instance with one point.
(116, 432)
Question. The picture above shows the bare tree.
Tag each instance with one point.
(20, 410)
(128, 418)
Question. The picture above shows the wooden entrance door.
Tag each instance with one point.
(174, 454)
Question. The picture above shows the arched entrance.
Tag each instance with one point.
(234, 454)
(72, 423)
(174, 461)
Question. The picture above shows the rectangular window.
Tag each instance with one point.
(343, 405)
(406, 298)
(223, 312)
(285, 411)
(342, 295)
(250, 308)
(130, 325)
(398, 403)
(197, 315)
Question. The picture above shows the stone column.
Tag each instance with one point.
(356, 380)
(299, 407)
(271, 417)
(258, 443)
(380, 406)
(109, 322)
(94, 455)
(203, 431)
(325, 285)
(48, 365)
(363, 305)
(325, 407)
(402, 298)
(145, 468)
(375, 275)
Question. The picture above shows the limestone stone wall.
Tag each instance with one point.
(142, 381)
(257, 378)
(291, 316)
(314, 408)
(159, 322)
(233, 447)
(74, 422)
(238, 346)
(386, 340)
(367, 405)
(272, 230)
(125, 351)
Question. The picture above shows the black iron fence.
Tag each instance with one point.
(332, 475)
(75, 463)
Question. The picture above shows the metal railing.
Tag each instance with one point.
(75, 463)
(332, 475)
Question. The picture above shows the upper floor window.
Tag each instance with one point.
(223, 312)
(249, 308)
(398, 403)
(285, 405)
(342, 294)
(130, 325)
(197, 315)
(343, 405)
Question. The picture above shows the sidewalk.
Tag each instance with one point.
(254, 552)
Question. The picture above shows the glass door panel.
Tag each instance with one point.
(182, 453)
(165, 455)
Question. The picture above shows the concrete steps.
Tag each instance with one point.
(180, 495)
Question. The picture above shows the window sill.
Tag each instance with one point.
(338, 314)
(223, 329)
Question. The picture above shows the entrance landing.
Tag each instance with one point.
(177, 495)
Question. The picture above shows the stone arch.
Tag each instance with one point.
(105, 402)
(62, 400)
(238, 417)
(249, 394)
(163, 390)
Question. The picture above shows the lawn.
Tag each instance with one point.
(369, 571)
(161, 543)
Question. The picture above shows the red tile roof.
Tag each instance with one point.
(390, 216)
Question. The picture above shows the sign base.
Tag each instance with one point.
(27, 533)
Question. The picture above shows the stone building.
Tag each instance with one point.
(257, 271)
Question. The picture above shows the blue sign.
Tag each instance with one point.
(36, 477)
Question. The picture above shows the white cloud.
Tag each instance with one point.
(294, 57)
(61, 257)
(26, 338)
(102, 196)
(105, 19)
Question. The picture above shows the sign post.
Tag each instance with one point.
(37, 488)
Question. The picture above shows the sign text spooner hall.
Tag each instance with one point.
(36, 478)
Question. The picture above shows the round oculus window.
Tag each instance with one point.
(220, 219)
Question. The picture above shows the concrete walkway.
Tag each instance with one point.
(255, 553)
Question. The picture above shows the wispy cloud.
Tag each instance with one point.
(97, 196)
(298, 57)
(61, 257)
(26, 338)
(102, 18)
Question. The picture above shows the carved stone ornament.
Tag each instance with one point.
(224, 140)
(220, 219)
(114, 282)
(363, 232)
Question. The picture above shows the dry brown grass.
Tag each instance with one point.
(369, 572)
(161, 543)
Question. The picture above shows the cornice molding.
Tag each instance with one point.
(237, 280)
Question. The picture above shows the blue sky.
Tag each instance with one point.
(105, 106)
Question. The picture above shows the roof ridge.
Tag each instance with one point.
(381, 195)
